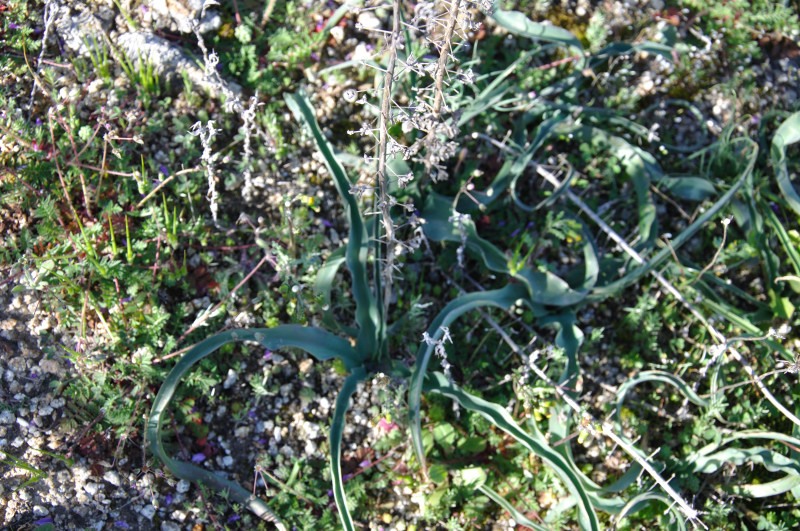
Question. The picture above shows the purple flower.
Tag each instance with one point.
(267, 354)
(34, 376)
(121, 524)
(38, 121)
(43, 521)
(163, 169)
(251, 413)
(347, 477)
(168, 499)
(514, 233)
(365, 463)
(13, 26)
(327, 223)
(234, 518)
(198, 457)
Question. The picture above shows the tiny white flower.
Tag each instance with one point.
(446, 334)
(350, 95)
(403, 180)
(427, 339)
(440, 351)
(717, 350)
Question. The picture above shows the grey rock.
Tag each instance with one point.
(7, 417)
(91, 488)
(112, 477)
(148, 511)
(181, 15)
(183, 486)
(168, 60)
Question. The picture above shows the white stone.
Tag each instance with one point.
(148, 511)
(183, 486)
(230, 380)
(310, 448)
(91, 488)
(112, 477)
(324, 405)
(7, 417)
(368, 20)
(337, 32)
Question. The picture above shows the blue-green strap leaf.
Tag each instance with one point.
(337, 428)
(788, 133)
(518, 517)
(601, 292)
(657, 376)
(639, 502)
(319, 343)
(500, 298)
(519, 24)
(543, 287)
(437, 383)
(367, 312)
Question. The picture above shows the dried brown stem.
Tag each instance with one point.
(383, 139)
(444, 53)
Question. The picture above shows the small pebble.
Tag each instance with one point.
(148, 511)
(183, 486)
(91, 488)
(112, 477)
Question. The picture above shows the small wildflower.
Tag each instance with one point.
(387, 425)
(780, 333)
(446, 335)
(350, 95)
(717, 350)
(468, 77)
(427, 339)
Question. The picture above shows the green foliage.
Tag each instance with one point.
(123, 250)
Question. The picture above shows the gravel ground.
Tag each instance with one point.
(104, 485)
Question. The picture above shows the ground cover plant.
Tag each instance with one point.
(578, 317)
